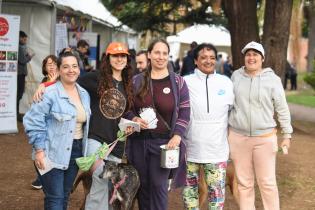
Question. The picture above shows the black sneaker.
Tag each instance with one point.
(36, 185)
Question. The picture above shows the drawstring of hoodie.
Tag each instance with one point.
(259, 90)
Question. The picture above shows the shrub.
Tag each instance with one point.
(309, 78)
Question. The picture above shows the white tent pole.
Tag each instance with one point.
(53, 28)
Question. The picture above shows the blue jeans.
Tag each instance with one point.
(58, 183)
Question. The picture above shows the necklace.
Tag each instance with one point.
(116, 83)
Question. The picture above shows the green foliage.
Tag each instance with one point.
(156, 15)
(310, 79)
(305, 100)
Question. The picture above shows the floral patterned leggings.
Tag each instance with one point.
(215, 178)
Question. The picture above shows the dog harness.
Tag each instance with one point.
(116, 186)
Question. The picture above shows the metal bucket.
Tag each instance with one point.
(169, 157)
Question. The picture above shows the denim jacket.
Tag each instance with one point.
(50, 124)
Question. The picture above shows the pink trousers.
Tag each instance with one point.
(255, 156)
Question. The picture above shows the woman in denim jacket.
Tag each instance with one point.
(57, 127)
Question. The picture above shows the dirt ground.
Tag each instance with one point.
(295, 172)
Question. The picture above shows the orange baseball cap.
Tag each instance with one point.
(116, 48)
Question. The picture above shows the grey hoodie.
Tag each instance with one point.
(256, 100)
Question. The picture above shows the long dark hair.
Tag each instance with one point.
(106, 79)
(144, 88)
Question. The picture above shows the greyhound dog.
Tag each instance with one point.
(126, 182)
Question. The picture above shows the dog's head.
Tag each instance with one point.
(110, 170)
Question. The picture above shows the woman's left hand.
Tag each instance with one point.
(286, 143)
(174, 142)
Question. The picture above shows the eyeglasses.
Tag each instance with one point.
(51, 64)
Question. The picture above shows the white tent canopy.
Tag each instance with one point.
(95, 9)
(38, 20)
(216, 35)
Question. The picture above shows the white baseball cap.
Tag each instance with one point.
(255, 46)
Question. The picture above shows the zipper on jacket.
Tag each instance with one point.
(207, 93)
(250, 111)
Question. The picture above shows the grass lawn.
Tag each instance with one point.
(304, 95)
(306, 100)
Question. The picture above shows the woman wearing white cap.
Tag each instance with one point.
(253, 142)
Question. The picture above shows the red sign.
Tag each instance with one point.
(4, 26)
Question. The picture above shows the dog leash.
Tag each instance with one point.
(99, 161)
(116, 186)
(113, 144)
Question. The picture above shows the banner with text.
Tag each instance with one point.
(9, 45)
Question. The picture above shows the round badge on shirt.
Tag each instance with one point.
(166, 90)
(112, 103)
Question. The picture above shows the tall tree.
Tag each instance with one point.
(296, 31)
(243, 26)
(241, 15)
(310, 10)
(276, 33)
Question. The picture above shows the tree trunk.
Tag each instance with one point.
(295, 33)
(243, 26)
(311, 37)
(276, 34)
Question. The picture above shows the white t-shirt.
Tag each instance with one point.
(211, 97)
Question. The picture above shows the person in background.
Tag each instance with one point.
(219, 64)
(57, 128)
(228, 67)
(132, 55)
(259, 101)
(49, 68)
(167, 94)
(171, 63)
(50, 72)
(211, 98)
(178, 63)
(24, 57)
(188, 61)
(83, 50)
(142, 61)
(287, 74)
(293, 77)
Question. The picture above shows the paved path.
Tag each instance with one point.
(299, 112)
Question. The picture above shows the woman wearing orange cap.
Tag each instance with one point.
(112, 83)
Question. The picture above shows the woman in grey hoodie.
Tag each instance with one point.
(253, 141)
